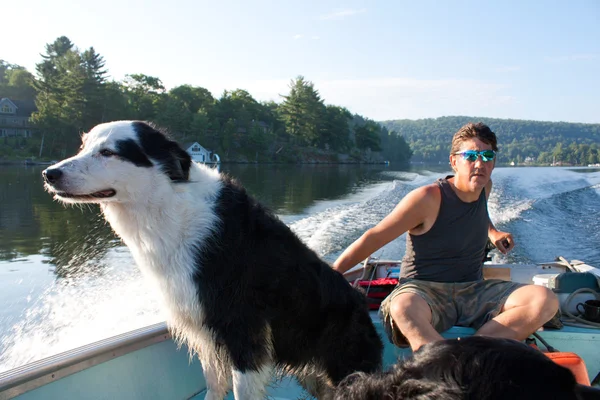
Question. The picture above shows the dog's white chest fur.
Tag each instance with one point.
(164, 236)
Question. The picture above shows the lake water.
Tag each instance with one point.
(66, 280)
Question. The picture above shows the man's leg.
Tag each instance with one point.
(412, 317)
(525, 310)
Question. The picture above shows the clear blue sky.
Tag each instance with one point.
(382, 59)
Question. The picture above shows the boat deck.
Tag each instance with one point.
(568, 339)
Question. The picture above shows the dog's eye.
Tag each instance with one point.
(106, 153)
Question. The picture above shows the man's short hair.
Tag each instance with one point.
(474, 367)
(471, 130)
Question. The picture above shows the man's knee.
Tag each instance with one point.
(550, 303)
(410, 307)
(543, 300)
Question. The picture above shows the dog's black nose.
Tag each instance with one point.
(52, 175)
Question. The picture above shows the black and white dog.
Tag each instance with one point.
(240, 287)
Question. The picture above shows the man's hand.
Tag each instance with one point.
(502, 240)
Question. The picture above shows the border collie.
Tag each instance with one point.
(240, 287)
(474, 368)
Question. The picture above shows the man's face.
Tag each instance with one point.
(476, 173)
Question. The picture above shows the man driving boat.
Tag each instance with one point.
(441, 280)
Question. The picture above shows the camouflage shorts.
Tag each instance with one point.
(469, 304)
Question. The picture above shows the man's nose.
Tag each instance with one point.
(479, 161)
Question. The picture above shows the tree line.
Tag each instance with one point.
(72, 92)
(519, 141)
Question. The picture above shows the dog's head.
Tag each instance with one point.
(119, 161)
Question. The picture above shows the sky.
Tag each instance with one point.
(396, 59)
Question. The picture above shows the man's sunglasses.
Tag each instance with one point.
(472, 155)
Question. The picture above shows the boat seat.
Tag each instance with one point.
(572, 362)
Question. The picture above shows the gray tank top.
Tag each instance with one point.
(453, 249)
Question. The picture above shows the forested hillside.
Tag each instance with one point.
(520, 141)
(72, 91)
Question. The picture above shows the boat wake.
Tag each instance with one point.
(76, 311)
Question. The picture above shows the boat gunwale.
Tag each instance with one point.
(32, 375)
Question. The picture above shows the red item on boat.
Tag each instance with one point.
(377, 290)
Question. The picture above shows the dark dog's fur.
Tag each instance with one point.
(476, 368)
(240, 287)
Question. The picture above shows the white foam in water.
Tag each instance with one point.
(329, 231)
(80, 310)
(539, 183)
(322, 231)
(503, 209)
(364, 194)
(533, 185)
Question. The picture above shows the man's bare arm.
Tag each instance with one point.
(411, 212)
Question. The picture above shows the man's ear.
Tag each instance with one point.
(453, 162)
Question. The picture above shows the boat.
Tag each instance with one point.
(147, 364)
(30, 161)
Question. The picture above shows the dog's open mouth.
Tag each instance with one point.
(103, 194)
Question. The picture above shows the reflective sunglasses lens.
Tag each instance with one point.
(470, 156)
(488, 155)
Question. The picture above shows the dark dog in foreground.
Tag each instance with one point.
(240, 287)
(473, 368)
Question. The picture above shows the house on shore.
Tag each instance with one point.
(14, 118)
(200, 154)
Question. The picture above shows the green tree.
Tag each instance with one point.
(335, 134)
(239, 106)
(143, 93)
(303, 112)
(200, 126)
(16, 82)
(193, 98)
(367, 136)
(94, 88)
(116, 104)
(396, 149)
(227, 137)
(174, 116)
(60, 98)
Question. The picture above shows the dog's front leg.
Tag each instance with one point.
(217, 375)
(217, 384)
(251, 384)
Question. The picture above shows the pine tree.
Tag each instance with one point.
(71, 93)
(303, 112)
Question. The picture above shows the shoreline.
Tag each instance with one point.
(26, 162)
(39, 163)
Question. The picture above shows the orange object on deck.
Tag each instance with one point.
(573, 362)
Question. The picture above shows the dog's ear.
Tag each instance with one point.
(174, 161)
(179, 168)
